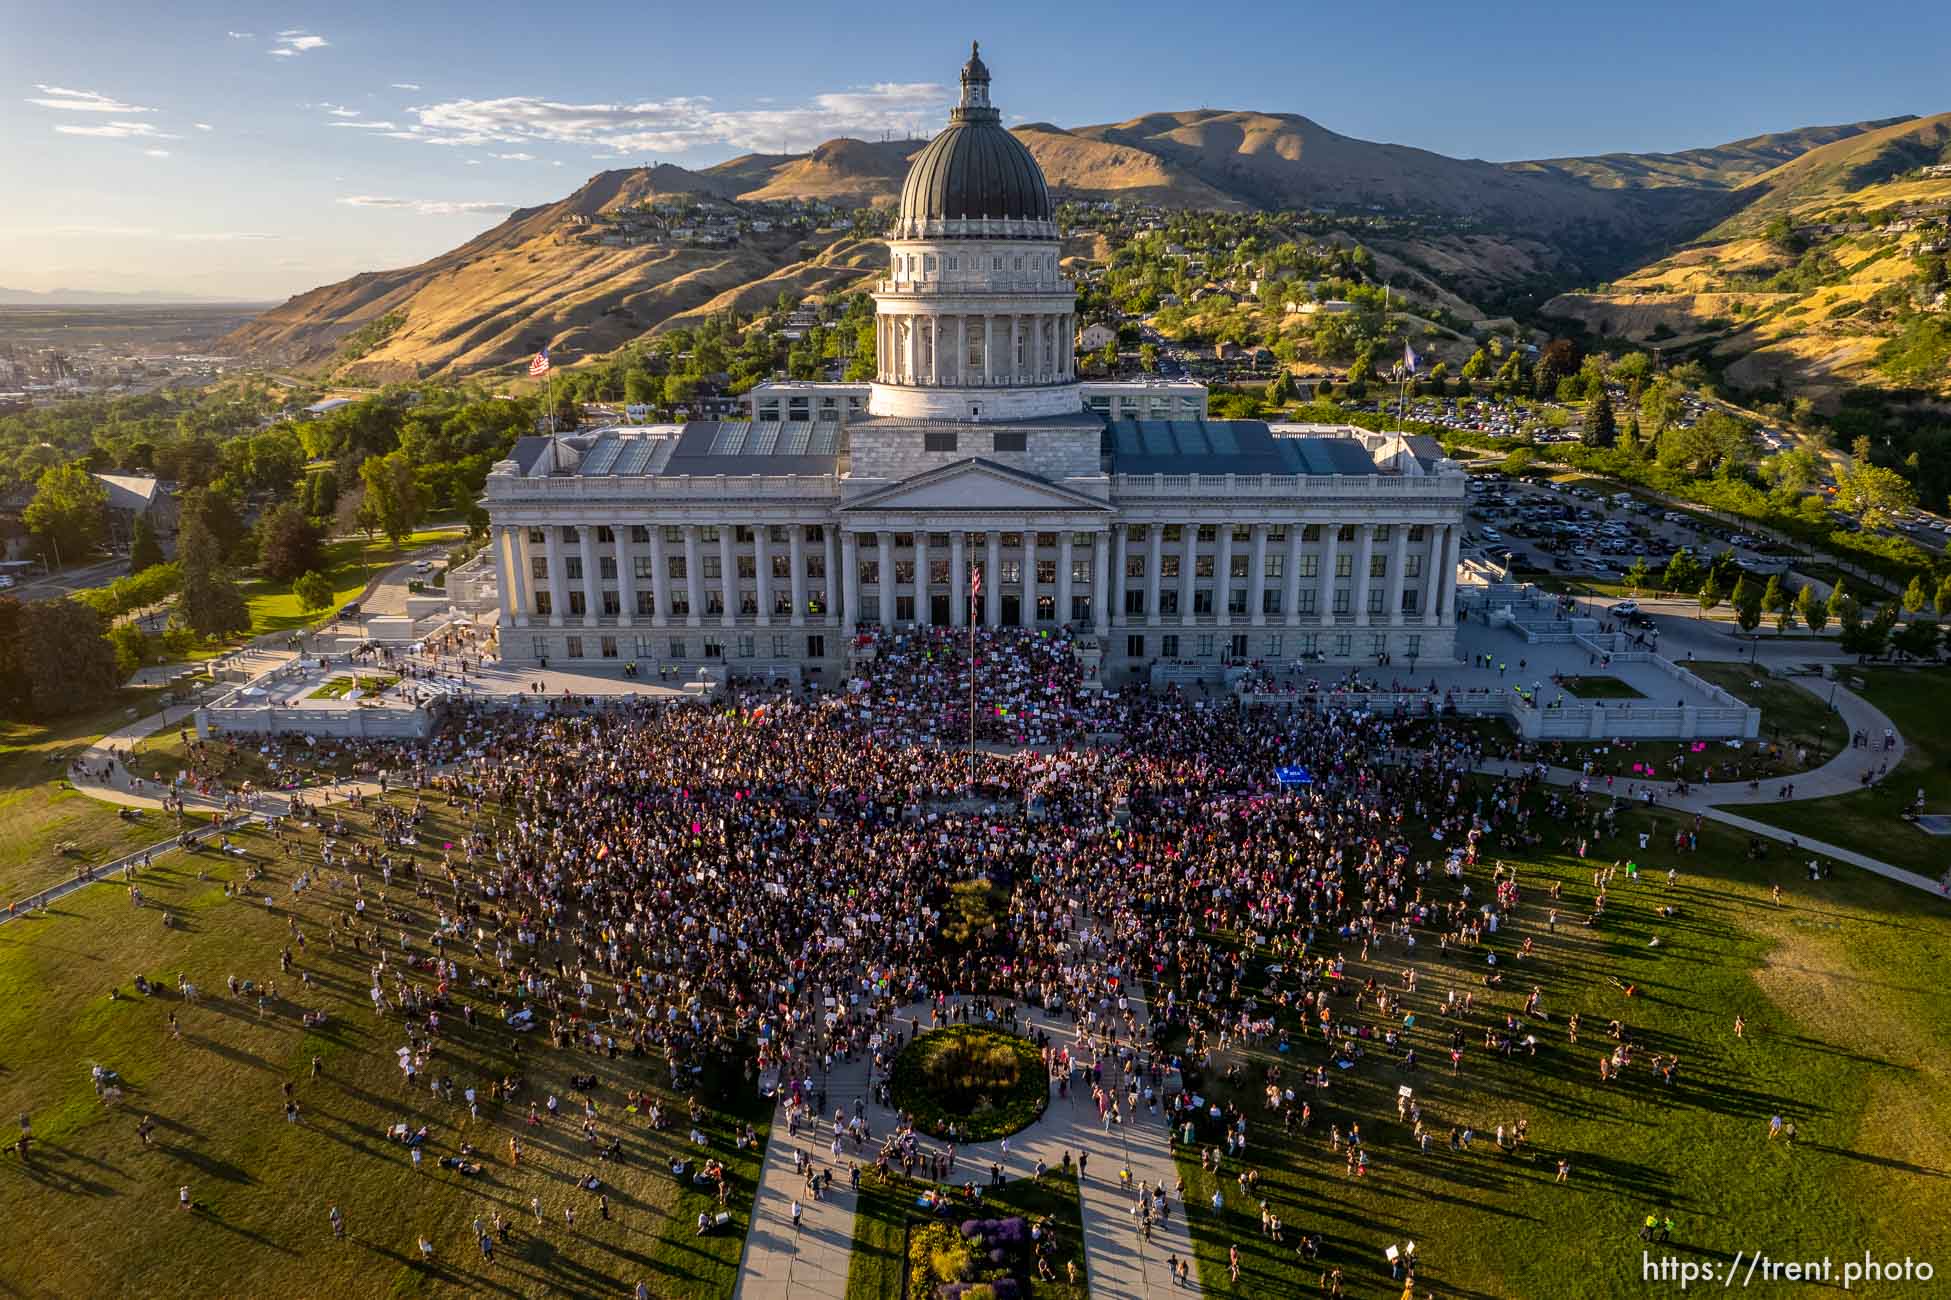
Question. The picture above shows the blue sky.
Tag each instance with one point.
(260, 149)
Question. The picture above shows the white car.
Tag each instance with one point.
(1626, 607)
(1492, 535)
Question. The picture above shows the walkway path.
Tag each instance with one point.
(812, 1264)
(1842, 774)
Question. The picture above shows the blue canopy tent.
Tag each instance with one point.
(1293, 776)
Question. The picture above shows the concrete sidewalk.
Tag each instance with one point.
(812, 1264)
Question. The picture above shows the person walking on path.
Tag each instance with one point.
(338, 1224)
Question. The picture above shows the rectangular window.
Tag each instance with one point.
(574, 647)
(746, 647)
(646, 603)
(645, 648)
(1046, 571)
(1237, 565)
(675, 563)
(714, 601)
(611, 605)
(714, 648)
(1237, 648)
(603, 534)
(1310, 644)
(572, 568)
(1306, 601)
(1168, 645)
(1013, 572)
(816, 647)
(1344, 643)
(1375, 600)
(938, 441)
(1378, 566)
(1311, 533)
(1168, 566)
(782, 601)
(644, 568)
(1344, 565)
(870, 573)
(681, 603)
(1208, 533)
(536, 537)
(1341, 600)
(938, 572)
(1134, 565)
(1378, 643)
(1135, 601)
(606, 568)
(1236, 600)
(904, 609)
(1168, 601)
(904, 572)
(1413, 645)
(714, 567)
(1310, 566)
(1276, 565)
(578, 601)
(543, 604)
(748, 566)
(677, 650)
(1273, 646)
(674, 533)
(1277, 533)
(782, 645)
(816, 566)
(1270, 601)
(708, 533)
(1382, 532)
(1046, 609)
(570, 535)
(539, 647)
(640, 534)
(1418, 532)
(1412, 566)
(1205, 645)
(1007, 441)
(1135, 647)
(1172, 533)
(608, 646)
(1202, 601)
(1202, 566)
(782, 567)
(748, 602)
(538, 567)
(1080, 610)
(1080, 571)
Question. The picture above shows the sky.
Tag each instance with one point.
(253, 151)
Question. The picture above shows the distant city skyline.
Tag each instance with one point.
(222, 151)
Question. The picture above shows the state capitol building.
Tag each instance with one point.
(779, 544)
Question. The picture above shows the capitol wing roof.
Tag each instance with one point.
(974, 484)
(1226, 447)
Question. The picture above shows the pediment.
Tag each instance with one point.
(975, 485)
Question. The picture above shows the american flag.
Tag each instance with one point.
(539, 366)
(1411, 363)
(975, 583)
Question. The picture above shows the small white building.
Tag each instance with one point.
(1095, 337)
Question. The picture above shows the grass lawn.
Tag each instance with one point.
(1868, 820)
(40, 810)
(93, 1212)
(885, 1210)
(1845, 1032)
(350, 564)
(1599, 688)
(340, 687)
(1792, 719)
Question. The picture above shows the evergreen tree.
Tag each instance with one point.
(1813, 613)
(1774, 599)
(211, 605)
(1710, 593)
(1915, 597)
(1601, 426)
(1682, 572)
(144, 550)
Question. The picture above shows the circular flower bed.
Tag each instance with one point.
(988, 1083)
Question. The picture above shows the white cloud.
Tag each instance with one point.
(296, 41)
(340, 110)
(240, 36)
(679, 124)
(427, 207)
(406, 85)
(205, 126)
(156, 153)
(82, 101)
(388, 127)
(515, 157)
(118, 131)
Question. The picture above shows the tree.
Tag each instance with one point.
(1813, 613)
(1148, 358)
(68, 511)
(1784, 618)
(1942, 602)
(131, 647)
(211, 605)
(1282, 391)
(68, 660)
(145, 551)
(288, 543)
(1710, 593)
(1636, 576)
(1747, 604)
(1839, 598)
(1915, 597)
(1683, 572)
(321, 494)
(1601, 426)
(1774, 599)
(392, 494)
(314, 591)
(1918, 639)
(1873, 494)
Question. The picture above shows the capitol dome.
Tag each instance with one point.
(975, 171)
